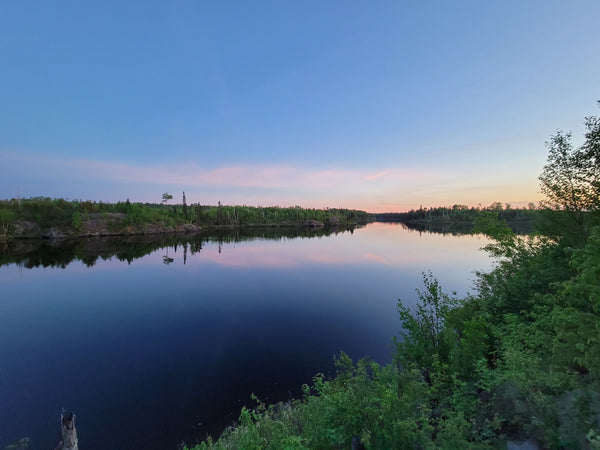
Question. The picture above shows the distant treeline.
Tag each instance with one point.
(71, 216)
(460, 214)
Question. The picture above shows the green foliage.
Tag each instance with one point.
(138, 214)
(76, 221)
(7, 220)
(571, 182)
(70, 217)
(474, 341)
(424, 334)
(519, 218)
(384, 408)
(571, 178)
(490, 224)
(528, 266)
(235, 216)
(575, 314)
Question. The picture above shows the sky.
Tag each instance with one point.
(381, 106)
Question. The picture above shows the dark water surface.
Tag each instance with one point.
(152, 350)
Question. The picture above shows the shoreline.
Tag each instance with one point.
(26, 230)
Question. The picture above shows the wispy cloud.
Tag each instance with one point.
(379, 175)
(192, 174)
(370, 188)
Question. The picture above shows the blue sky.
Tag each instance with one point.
(381, 106)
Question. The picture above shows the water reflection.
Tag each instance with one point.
(30, 253)
(171, 334)
(251, 248)
(460, 228)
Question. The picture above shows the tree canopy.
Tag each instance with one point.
(571, 178)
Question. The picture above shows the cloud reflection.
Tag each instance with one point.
(379, 244)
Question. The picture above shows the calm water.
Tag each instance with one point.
(156, 349)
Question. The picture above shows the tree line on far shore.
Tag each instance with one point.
(462, 214)
(47, 212)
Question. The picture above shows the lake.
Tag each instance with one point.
(155, 340)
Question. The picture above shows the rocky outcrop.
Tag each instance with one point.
(25, 228)
(187, 228)
(102, 224)
(313, 223)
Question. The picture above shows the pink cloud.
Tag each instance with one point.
(378, 175)
(257, 176)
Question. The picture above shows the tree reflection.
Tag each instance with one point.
(30, 253)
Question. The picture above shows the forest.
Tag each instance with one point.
(517, 361)
(44, 217)
(462, 214)
(47, 217)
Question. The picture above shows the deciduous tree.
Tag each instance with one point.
(571, 178)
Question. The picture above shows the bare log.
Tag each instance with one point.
(69, 433)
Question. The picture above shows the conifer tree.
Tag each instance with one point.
(185, 208)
